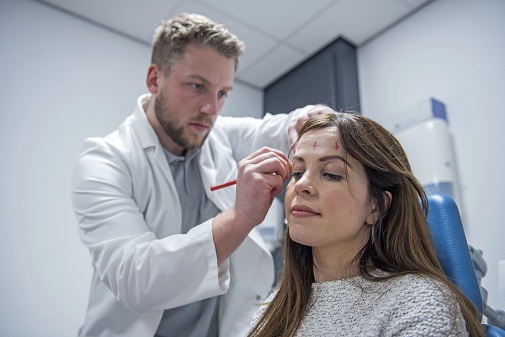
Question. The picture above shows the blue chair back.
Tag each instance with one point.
(451, 246)
(453, 251)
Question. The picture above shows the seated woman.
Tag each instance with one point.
(359, 260)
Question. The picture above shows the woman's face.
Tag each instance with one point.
(326, 203)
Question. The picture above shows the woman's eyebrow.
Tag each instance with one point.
(323, 159)
(326, 158)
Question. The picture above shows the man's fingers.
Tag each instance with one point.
(296, 125)
(267, 161)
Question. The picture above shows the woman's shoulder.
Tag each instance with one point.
(418, 289)
(415, 285)
(427, 303)
(261, 308)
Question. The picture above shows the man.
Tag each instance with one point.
(170, 257)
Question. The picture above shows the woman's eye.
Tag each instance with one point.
(332, 177)
(296, 175)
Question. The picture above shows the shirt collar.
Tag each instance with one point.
(190, 155)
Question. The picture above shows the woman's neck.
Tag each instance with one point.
(330, 265)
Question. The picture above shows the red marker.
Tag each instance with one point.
(234, 181)
(226, 184)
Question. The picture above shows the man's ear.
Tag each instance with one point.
(153, 78)
(373, 216)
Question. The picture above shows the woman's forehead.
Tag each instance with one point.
(320, 139)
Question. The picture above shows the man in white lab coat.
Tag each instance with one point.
(171, 257)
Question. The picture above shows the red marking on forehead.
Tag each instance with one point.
(336, 147)
(315, 145)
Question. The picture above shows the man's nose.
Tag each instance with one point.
(211, 105)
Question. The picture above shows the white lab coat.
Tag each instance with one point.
(129, 217)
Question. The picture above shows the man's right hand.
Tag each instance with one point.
(260, 178)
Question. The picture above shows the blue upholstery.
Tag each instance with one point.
(453, 252)
(451, 246)
(493, 331)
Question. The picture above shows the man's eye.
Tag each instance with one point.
(223, 94)
(196, 86)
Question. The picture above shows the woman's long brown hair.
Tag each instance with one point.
(401, 242)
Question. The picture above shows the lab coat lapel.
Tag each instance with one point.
(216, 169)
(151, 145)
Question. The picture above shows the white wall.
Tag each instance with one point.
(62, 80)
(454, 51)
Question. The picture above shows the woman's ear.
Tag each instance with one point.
(388, 198)
(373, 215)
(153, 76)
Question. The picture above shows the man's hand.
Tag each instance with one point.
(296, 125)
(260, 178)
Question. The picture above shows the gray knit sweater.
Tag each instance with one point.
(409, 305)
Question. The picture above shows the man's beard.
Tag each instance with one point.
(176, 133)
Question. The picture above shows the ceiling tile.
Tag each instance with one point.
(277, 18)
(273, 65)
(131, 17)
(355, 20)
(364, 18)
(256, 43)
(279, 34)
(415, 3)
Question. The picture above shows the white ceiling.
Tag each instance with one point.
(279, 34)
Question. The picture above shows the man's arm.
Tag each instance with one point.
(302, 117)
(119, 202)
(260, 179)
(280, 131)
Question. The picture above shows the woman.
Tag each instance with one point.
(359, 260)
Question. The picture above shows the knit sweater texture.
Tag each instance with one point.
(410, 305)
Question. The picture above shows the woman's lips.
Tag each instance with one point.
(303, 211)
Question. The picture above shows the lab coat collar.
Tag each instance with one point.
(140, 123)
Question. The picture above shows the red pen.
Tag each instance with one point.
(234, 181)
(226, 184)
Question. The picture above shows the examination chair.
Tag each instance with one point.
(453, 251)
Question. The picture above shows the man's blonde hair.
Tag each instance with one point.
(172, 37)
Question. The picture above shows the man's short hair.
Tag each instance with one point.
(173, 35)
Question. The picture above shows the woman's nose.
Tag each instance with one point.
(304, 185)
